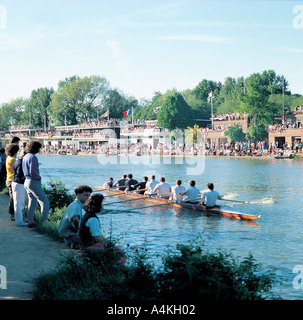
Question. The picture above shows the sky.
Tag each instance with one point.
(144, 46)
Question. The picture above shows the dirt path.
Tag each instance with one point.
(25, 254)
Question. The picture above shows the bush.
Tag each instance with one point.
(190, 273)
(58, 195)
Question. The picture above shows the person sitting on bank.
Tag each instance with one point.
(90, 229)
(70, 222)
(192, 192)
(211, 196)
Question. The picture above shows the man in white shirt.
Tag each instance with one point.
(210, 196)
(192, 192)
(163, 189)
(150, 185)
(178, 190)
(70, 221)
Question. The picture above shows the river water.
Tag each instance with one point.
(275, 188)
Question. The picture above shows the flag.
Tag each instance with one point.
(210, 94)
(156, 109)
(106, 114)
(127, 112)
(85, 115)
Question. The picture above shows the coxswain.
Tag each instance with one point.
(109, 184)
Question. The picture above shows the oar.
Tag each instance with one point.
(187, 200)
(134, 199)
(155, 205)
(234, 200)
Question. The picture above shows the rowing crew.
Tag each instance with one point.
(163, 189)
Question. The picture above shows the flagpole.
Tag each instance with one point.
(211, 104)
(107, 114)
(132, 116)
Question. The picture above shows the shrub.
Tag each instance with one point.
(58, 195)
(192, 274)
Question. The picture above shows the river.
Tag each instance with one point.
(276, 239)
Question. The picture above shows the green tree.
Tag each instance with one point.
(116, 102)
(36, 108)
(235, 133)
(175, 113)
(76, 96)
(255, 102)
(11, 112)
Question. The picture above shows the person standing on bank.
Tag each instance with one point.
(32, 183)
(70, 222)
(18, 190)
(11, 151)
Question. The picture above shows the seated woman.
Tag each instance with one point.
(90, 230)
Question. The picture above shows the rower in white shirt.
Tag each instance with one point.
(150, 185)
(211, 196)
(163, 189)
(178, 190)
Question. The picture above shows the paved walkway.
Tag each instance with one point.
(25, 254)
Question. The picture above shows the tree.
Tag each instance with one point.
(203, 89)
(11, 112)
(175, 113)
(36, 108)
(77, 96)
(255, 102)
(235, 133)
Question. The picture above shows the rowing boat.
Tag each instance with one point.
(198, 207)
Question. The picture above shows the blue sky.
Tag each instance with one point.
(149, 45)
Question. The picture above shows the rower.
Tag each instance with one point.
(178, 190)
(163, 189)
(141, 185)
(130, 182)
(121, 183)
(109, 184)
(210, 196)
(192, 192)
(150, 185)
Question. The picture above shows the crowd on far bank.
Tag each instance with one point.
(228, 149)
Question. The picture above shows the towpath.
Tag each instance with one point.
(24, 255)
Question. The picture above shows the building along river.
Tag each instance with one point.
(274, 189)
